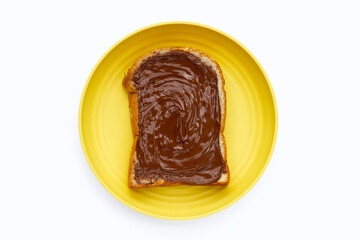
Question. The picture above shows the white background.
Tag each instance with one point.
(310, 51)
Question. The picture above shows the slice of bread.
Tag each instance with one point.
(135, 182)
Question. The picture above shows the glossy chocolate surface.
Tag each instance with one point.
(179, 120)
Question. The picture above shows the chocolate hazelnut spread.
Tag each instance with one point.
(179, 120)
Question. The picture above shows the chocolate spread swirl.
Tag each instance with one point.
(179, 120)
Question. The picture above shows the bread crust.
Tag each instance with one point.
(134, 116)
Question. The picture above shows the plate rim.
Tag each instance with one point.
(128, 204)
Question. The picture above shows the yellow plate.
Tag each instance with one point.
(250, 128)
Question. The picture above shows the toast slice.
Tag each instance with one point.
(177, 107)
